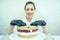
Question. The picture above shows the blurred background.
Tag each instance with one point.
(49, 10)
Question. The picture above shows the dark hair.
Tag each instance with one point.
(29, 2)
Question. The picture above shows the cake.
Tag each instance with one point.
(27, 31)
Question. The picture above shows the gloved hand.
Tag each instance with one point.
(13, 22)
(39, 22)
(18, 23)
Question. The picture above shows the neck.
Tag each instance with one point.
(28, 19)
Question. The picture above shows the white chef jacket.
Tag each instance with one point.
(40, 36)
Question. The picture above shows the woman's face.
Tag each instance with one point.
(29, 10)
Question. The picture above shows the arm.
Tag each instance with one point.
(11, 27)
(10, 30)
(45, 29)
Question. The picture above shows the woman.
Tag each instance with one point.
(30, 22)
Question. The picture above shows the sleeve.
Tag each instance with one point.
(13, 22)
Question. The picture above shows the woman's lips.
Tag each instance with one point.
(30, 14)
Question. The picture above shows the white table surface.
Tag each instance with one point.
(55, 37)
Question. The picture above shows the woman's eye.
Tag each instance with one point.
(31, 9)
(27, 9)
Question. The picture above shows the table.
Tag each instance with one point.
(55, 37)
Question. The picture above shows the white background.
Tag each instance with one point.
(46, 9)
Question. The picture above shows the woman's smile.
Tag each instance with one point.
(29, 14)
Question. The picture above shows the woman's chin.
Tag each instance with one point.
(30, 17)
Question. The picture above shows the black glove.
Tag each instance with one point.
(34, 24)
(39, 22)
(13, 22)
(18, 23)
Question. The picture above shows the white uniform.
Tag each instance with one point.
(40, 36)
